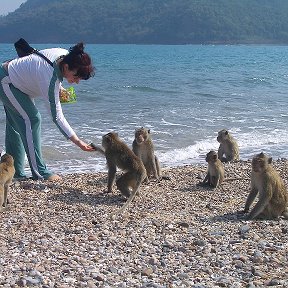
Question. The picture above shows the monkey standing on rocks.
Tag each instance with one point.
(215, 173)
(228, 147)
(118, 154)
(7, 172)
(143, 147)
(272, 194)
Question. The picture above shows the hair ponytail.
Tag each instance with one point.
(79, 60)
(77, 49)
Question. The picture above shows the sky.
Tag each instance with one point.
(7, 6)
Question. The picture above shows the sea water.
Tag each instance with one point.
(184, 94)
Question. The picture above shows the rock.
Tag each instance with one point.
(199, 242)
(183, 224)
(147, 271)
(244, 229)
(92, 238)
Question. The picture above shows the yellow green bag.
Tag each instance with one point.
(68, 95)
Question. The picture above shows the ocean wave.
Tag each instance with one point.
(191, 154)
(164, 122)
(147, 89)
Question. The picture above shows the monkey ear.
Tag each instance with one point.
(109, 138)
(270, 160)
(149, 131)
(110, 135)
(226, 132)
(113, 133)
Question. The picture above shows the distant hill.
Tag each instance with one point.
(148, 21)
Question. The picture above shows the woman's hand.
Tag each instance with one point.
(81, 144)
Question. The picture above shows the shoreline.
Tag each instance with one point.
(72, 170)
(175, 234)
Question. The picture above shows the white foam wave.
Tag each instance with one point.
(258, 138)
(274, 143)
(187, 155)
(164, 122)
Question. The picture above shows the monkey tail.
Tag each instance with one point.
(140, 178)
(127, 203)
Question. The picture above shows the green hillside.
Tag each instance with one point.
(148, 21)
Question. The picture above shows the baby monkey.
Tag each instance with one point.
(272, 194)
(118, 154)
(143, 147)
(228, 147)
(215, 172)
(7, 172)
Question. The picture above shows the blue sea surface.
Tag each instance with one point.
(184, 93)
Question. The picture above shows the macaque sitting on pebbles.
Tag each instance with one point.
(272, 193)
(228, 147)
(7, 172)
(143, 147)
(118, 154)
(215, 172)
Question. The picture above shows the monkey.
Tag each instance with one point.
(215, 172)
(118, 154)
(272, 193)
(143, 147)
(7, 172)
(228, 147)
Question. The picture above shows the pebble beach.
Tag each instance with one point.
(174, 234)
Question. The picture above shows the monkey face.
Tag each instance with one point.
(108, 139)
(7, 159)
(141, 135)
(222, 135)
(211, 156)
(260, 162)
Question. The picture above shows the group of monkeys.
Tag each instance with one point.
(265, 180)
(140, 163)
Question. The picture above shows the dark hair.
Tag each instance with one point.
(78, 60)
